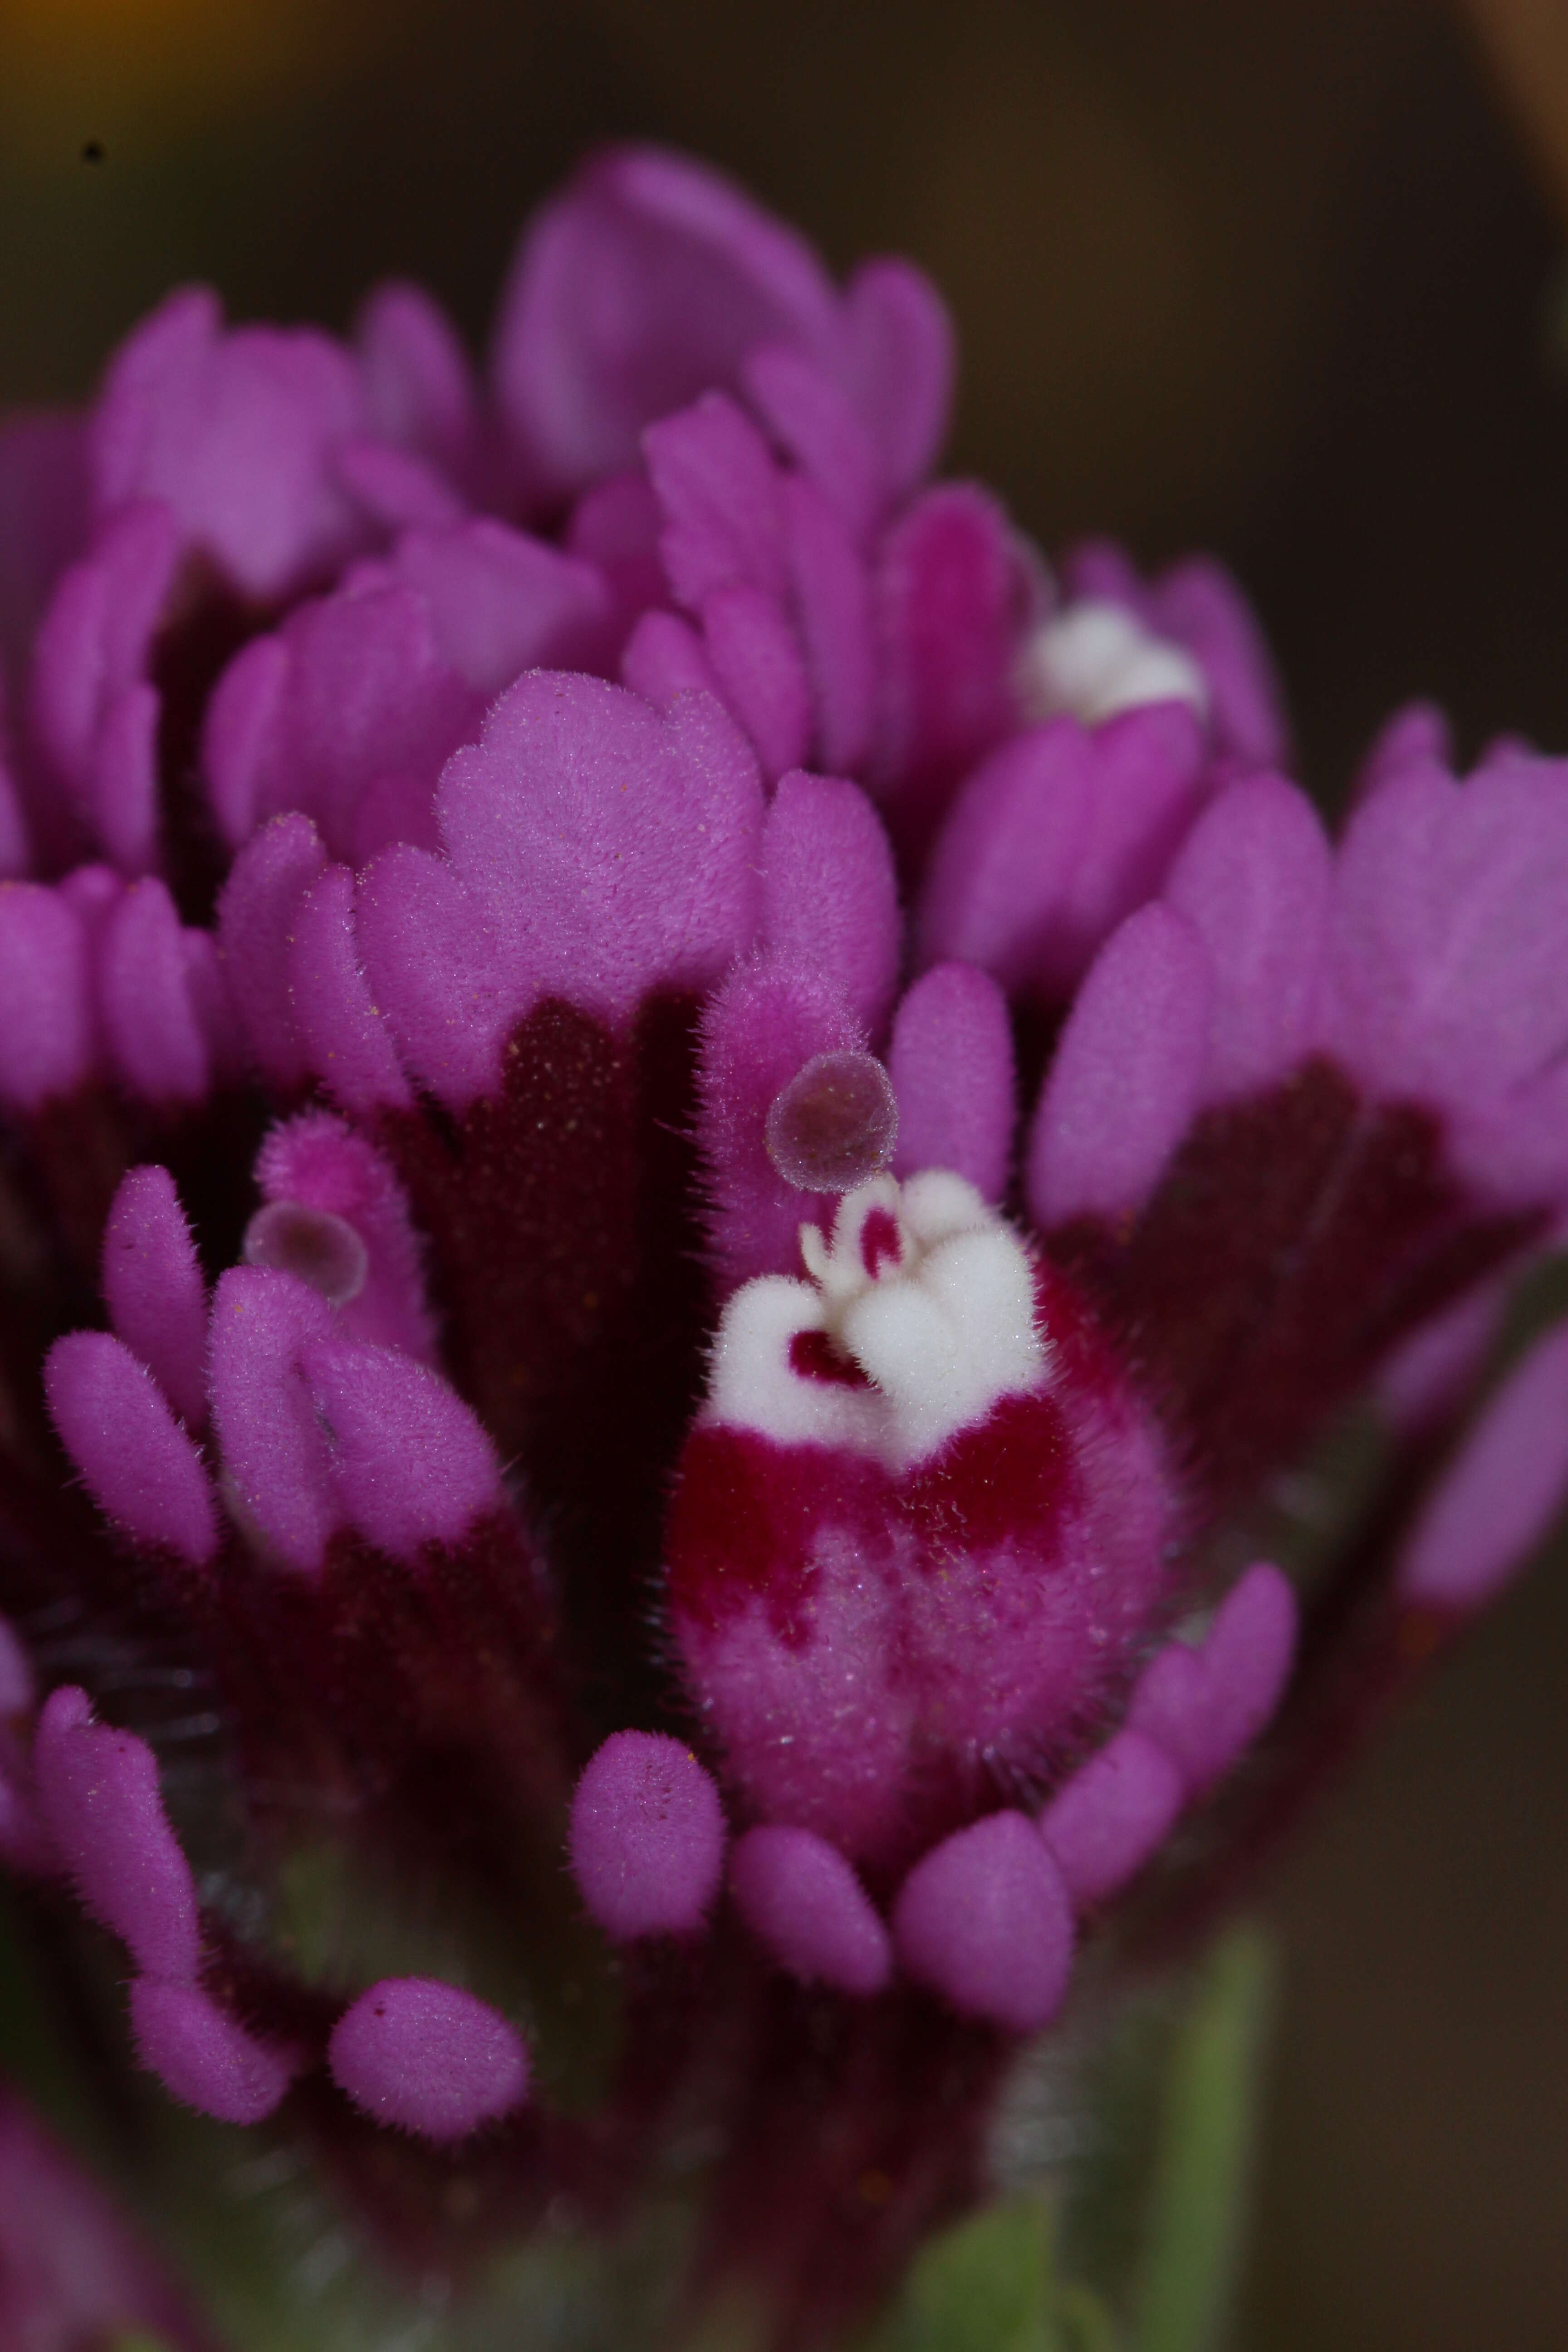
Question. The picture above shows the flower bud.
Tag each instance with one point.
(919, 1518)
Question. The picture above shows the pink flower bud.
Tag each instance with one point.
(428, 2058)
(919, 1519)
(205, 2058)
(984, 1920)
(142, 1470)
(98, 1792)
(647, 1836)
(801, 1898)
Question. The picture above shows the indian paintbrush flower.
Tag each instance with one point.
(685, 1154)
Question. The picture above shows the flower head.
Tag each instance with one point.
(692, 1152)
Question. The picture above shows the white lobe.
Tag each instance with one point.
(1097, 658)
(942, 1328)
(936, 1203)
(751, 1385)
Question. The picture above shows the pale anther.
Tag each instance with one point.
(322, 1249)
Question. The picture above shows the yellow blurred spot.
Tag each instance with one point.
(74, 73)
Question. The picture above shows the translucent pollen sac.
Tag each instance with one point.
(835, 1123)
(427, 2058)
(314, 1244)
(647, 1836)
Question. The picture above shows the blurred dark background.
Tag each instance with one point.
(1286, 282)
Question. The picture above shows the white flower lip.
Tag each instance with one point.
(1097, 658)
(922, 1289)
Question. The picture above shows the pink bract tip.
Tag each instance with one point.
(719, 489)
(984, 1920)
(235, 431)
(46, 1039)
(1450, 908)
(427, 2058)
(1198, 605)
(1255, 880)
(951, 1065)
(99, 1795)
(809, 416)
(123, 788)
(608, 849)
(648, 278)
(156, 1036)
(254, 924)
(834, 614)
(342, 1030)
(500, 602)
(615, 526)
(239, 727)
(153, 1289)
(664, 657)
(139, 1465)
(410, 1460)
(205, 2059)
(1416, 735)
(646, 1838)
(801, 1898)
(401, 490)
(1055, 838)
(93, 641)
(274, 1451)
(350, 718)
(1127, 1074)
(1500, 1496)
(1204, 1706)
(449, 1003)
(1112, 1815)
(955, 592)
(772, 1017)
(419, 384)
(318, 1163)
(755, 661)
(1428, 1374)
(829, 895)
(900, 364)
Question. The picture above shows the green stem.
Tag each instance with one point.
(1198, 2200)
